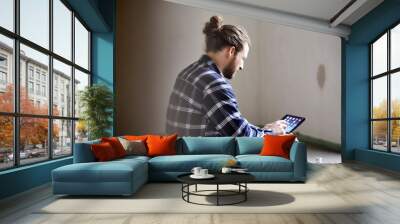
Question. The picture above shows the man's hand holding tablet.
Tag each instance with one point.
(286, 125)
(277, 128)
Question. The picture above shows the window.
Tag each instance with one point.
(30, 72)
(3, 78)
(37, 74)
(61, 74)
(81, 45)
(385, 91)
(37, 89)
(44, 91)
(7, 14)
(42, 123)
(62, 32)
(6, 86)
(81, 81)
(30, 87)
(3, 61)
(35, 21)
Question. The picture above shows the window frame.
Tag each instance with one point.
(16, 115)
(388, 74)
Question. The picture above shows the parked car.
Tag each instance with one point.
(22, 155)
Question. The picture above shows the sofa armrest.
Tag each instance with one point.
(83, 152)
(298, 155)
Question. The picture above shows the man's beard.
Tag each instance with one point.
(229, 70)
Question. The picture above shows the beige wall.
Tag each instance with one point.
(157, 39)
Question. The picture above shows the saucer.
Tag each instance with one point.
(208, 176)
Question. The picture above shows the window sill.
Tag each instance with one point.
(25, 167)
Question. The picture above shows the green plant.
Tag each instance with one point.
(96, 102)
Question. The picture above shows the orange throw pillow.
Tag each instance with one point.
(277, 145)
(136, 137)
(103, 152)
(116, 145)
(161, 145)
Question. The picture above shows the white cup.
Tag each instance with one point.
(196, 171)
(226, 170)
(203, 172)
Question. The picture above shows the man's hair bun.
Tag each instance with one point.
(219, 36)
(213, 25)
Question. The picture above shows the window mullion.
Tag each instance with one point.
(50, 81)
(16, 70)
(73, 82)
(389, 112)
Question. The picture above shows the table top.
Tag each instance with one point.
(220, 178)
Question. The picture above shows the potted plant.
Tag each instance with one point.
(96, 102)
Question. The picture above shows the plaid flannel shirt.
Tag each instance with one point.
(202, 103)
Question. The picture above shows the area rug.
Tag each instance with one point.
(166, 198)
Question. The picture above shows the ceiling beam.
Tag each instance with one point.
(346, 12)
(268, 15)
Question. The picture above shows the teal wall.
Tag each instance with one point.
(99, 15)
(355, 86)
(24, 178)
(103, 51)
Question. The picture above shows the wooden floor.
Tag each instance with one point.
(378, 188)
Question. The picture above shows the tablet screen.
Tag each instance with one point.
(293, 122)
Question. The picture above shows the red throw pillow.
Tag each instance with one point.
(161, 145)
(277, 145)
(116, 145)
(103, 152)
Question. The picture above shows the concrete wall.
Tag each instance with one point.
(287, 71)
(301, 74)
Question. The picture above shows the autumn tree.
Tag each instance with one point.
(380, 127)
(33, 131)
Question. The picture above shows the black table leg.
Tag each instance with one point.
(217, 194)
(196, 187)
(245, 193)
(188, 190)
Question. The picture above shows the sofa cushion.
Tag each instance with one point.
(185, 163)
(133, 147)
(111, 171)
(103, 152)
(277, 145)
(206, 145)
(160, 145)
(249, 145)
(116, 145)
(131, 158)
(257, 163)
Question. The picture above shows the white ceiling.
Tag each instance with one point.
(319, 9)
(313, 15)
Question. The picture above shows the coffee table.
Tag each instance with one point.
(238, 179)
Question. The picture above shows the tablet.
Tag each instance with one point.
(293, 122)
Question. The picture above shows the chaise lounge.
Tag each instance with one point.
(125, 176)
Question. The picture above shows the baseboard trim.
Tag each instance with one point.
(319, 142)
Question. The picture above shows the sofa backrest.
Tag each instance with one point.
(206, 145)
(190, 146)
(249, 145)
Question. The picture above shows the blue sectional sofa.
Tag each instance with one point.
(125, 176)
